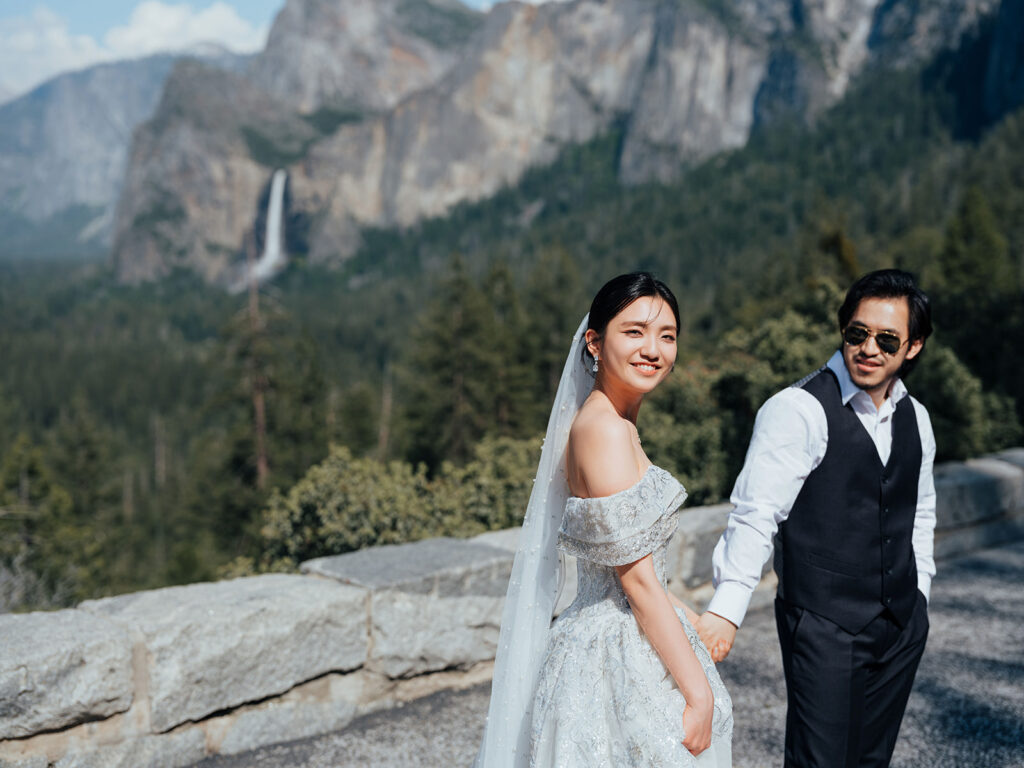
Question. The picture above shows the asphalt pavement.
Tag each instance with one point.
(966, 710)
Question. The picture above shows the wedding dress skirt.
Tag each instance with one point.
(604, 698)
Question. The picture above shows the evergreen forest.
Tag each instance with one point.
(171, 432)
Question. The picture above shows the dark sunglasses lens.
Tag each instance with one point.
(888, 343)
(854, 335)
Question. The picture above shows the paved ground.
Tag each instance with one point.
(967, 709)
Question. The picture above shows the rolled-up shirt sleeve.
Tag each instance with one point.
(923, 536)
(789, 441)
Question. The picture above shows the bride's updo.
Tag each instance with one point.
(619, 292)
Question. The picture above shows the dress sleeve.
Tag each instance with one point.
(624, 527)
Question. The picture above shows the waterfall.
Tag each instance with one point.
(273, 247)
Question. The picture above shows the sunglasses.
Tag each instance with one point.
(855, 335)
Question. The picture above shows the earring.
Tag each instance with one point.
(595, 363)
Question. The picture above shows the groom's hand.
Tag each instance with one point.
(717, 634)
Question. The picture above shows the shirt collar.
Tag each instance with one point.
(848, 390)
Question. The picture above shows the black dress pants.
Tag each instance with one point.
(846, 693)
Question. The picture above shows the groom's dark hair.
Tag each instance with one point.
(892, 284)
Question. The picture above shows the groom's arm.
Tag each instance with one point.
(924, 518)
(789, 441)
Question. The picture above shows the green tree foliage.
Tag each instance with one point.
(345, 503)
(136, 403)
(467, 371)
(447, 380)
(491, 491)
(682, 431)
(262, 352)
(39, 532)
(979, 302)
(967, 421)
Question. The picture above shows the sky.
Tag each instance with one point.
(39, 40)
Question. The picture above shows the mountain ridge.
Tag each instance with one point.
(64, 150)
(688, 80)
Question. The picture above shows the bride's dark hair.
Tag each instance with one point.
(619, 292)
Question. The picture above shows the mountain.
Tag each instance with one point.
(366, 54)
(199, 168)
(1004, 75)
(64, 150)
(382, 119)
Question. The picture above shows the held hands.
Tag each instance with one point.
(697, 725)
(717, 634)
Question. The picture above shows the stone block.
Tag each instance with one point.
(168, 750)
(61, 668)
(436, 604)
(441, 567)
(215, 646)
(688, 558)
(31, 761)
(507, 538)
(993, 533)
(1013, 456)
(976, 491)
(325, 705)
(415, 633)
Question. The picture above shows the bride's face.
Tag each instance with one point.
(638, 347)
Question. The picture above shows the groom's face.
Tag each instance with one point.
(871, 368)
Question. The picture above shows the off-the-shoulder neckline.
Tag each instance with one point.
(635, 485)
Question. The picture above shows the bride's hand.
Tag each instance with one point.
(697, 726)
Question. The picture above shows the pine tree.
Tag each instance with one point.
(39, 536)
(557, 302)
(450, 373)
(513, 410)
(978, 299)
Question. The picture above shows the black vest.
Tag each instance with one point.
(846, 550)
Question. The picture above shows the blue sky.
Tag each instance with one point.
(40, 39)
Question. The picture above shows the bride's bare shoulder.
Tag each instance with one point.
(601, 460)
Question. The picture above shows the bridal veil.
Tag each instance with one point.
(534, 584)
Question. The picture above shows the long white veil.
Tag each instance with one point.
(534, 584)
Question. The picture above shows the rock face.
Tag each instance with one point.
(360, 54)
(197, 169)
(411, 122)
(1004, 80)
(61, 668)
(64, 150)
(902, 29)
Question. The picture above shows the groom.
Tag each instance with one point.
(840, 466)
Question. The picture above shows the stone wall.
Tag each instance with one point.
(167, 677)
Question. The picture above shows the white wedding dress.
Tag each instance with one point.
(604, 698)
(589, 691)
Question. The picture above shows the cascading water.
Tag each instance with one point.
(273, 247)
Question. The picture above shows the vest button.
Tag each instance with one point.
(888, 600)
(888, 540)
(884, 479)
(888, 571)
(885, 511)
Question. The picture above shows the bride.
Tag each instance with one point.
(621, 677)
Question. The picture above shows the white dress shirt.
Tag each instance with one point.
(789, 441)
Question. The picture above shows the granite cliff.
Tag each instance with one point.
(64, 151)
(381, 123)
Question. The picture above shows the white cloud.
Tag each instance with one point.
(157, 26)
(36, 47)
